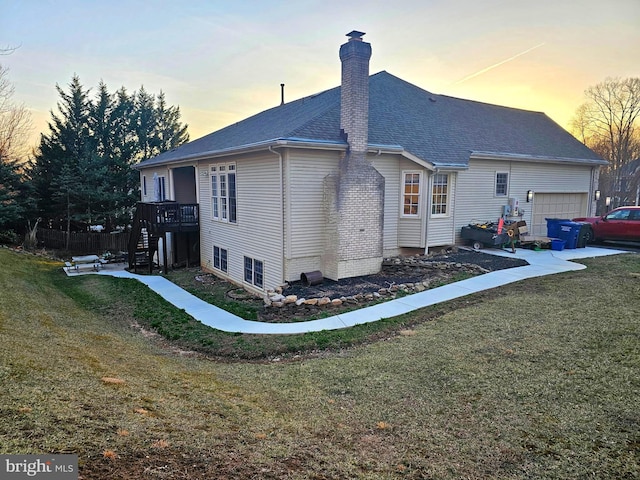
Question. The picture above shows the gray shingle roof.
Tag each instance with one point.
(442, 130)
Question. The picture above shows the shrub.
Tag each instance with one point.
(9, 237)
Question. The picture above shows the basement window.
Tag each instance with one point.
(254, 271)
(220, 258)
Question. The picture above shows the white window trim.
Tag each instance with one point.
(215, 172)
(448, 203)
(420, 193)
(219, 268)
(495, 185)
(213, 175)
(253, 271)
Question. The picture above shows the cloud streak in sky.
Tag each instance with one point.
(496, 65)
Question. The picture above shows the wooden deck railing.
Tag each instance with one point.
(170, 216)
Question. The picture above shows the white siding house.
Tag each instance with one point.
(571, 186)
(237, 197)
(278, 192)
(305, 222)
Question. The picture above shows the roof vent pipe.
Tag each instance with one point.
(282, 94)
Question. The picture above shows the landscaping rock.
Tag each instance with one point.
(408, 275)
(290, 299)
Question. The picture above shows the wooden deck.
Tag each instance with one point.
(152, 222)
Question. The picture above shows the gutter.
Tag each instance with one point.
(453, 167)
(252, 147)
(516, 157)
(292, 143)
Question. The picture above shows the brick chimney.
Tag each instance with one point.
(354, 96)
(354, 198)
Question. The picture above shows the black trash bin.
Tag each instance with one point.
(584, 234)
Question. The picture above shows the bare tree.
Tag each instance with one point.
(15, 122)
(609, 123)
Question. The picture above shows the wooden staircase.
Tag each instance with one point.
(151, 222)
(143, 245)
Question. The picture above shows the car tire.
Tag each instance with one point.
(589, 237)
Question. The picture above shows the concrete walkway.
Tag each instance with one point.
(541, 263)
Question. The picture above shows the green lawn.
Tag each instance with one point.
(540, 379)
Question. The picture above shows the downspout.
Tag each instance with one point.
(452, 201)
(281, 167)
(427, 213)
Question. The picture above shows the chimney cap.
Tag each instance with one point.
(355, 35)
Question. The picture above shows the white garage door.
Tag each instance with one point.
(556, 205)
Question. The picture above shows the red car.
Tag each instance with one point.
(623, 223)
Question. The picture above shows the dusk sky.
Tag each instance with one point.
(222, 61)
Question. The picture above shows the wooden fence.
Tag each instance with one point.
(83, 243)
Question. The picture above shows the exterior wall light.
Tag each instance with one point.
(607, 201)
(529, 195)
(596, 195)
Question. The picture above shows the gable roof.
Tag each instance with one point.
(443, 131)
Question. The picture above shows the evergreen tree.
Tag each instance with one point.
(170, 133)
(11, 186)
(69, 141)
(145, 118)
(123, 179)
(83, 165)
(64, 195)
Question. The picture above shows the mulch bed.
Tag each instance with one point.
(398, 275)
(406, 273)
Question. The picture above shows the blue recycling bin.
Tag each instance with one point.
(553, 226)
(569, 232)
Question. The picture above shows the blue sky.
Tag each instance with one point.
(222, 61)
